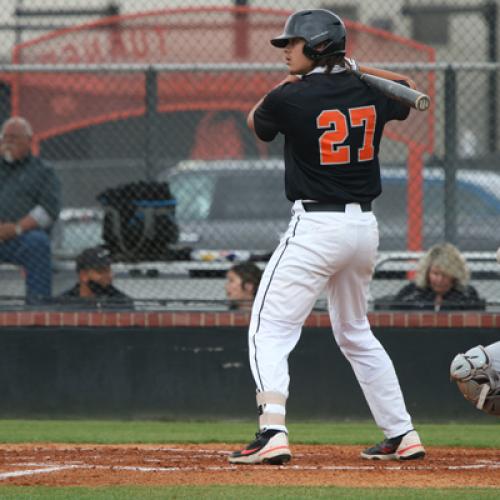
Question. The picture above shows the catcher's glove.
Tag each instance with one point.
(477, 380)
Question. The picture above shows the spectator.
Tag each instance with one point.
(442, 283)
(95, 280)
(29, 205)
(242, 282)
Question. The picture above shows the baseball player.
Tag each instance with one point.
(332, 123)
(477, 374)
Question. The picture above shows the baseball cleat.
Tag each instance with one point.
(269, 447)
(405, 447)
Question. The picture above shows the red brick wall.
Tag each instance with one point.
(190, 319)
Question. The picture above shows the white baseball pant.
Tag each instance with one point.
(335, 251)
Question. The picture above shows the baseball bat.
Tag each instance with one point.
(395, 90)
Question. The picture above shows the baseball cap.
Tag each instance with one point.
(93, 258)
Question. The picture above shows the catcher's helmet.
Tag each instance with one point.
(315, 26)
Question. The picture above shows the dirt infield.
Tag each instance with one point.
(96, 465)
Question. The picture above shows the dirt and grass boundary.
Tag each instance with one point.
(113, 459)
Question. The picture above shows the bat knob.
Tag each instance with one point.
(423, 102)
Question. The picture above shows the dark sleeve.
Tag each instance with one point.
(123, 301)
(115, 293)
(396, 110)
(402, 300)
(408, 291)
(413, 298)
(67, 294)
(266, 120)
(467, 299)
(474, 300)
(49, 195)
(472, 292)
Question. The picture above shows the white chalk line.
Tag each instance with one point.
(50, 468)
(17, 473)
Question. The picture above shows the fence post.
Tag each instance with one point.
(450, 155)
(491, 15)
(151, 122)
(241, 32)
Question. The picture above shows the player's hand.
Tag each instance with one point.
(7, 231)
(350, 63)
(289, 79)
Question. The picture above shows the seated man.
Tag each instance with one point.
(242, 282)
(29, 204)
(442, 283)
(95, 281)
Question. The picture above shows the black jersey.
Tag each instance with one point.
(332, 125)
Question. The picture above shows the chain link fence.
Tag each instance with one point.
(141, 112)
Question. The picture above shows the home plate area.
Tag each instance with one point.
(188, 464)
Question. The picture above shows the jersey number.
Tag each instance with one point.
(332, 152)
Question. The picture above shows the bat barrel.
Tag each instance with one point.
(395, 90)
(422, 102)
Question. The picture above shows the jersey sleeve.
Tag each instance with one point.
(266, 119)
(396, 109)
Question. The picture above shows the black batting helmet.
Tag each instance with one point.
(315, 26)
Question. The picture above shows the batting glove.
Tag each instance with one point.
(351, 63)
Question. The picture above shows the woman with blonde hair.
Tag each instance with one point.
(441, 283)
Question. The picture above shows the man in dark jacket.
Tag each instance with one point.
(30, 195)
(95, 281)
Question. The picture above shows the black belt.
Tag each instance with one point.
(333, 207)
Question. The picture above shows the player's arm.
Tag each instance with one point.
(251, 115)
(388, 75)
(381, 73)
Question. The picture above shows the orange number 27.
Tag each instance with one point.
(332, 150)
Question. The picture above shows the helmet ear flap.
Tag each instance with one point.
(310, 52)
(314, 54)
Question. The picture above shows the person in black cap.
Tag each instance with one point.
(95, 281)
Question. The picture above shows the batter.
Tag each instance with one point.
(333, 124)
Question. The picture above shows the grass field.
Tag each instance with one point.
(240, 492)
(114, 432)
(142, 432)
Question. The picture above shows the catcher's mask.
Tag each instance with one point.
(315, 26)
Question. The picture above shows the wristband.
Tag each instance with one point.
(18, 229)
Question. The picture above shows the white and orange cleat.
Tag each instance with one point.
(404, 447)
(269, 447)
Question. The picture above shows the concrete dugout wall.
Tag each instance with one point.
(202, 371)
